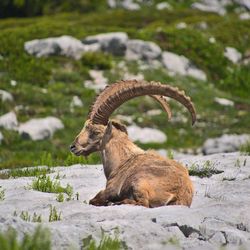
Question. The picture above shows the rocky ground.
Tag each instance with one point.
(219, 215)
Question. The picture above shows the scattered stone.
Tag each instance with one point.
(224, 102)
(129, 76)
(243, 3)
(163, 6)
(76, 102)
(181, 65)
(244, 16)
(232, 54)
(210, 6)
(1, 137)
(5, 96)
(63, 45)
(125, 118)
(9, 121)
(154, 112)
(202, 25)
(224, 144)
(146, 135)
(212, 40)
(98, 83)
(41, 128)
(114, 42)
(139, 49)
(13, 83)
(125, 4)
(181, 25)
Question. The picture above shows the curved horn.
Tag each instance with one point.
(164, 104)
(116, 94)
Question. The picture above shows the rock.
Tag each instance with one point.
(125, 4)
(210, 6)
(114, 42)
(212, 40)
(5, 96)
(232, 54)
(76, 102)
(40, 128)
(63, 45)
(9, 121)
(225, 143)
(219, 213)
(139, 49)
(181, 25)
(202, 25)
(98, 83)
(1, 137)
(244, 16)
(129, 76)
(163, 5)
(181, 65)
(146, 135)
(13, 83)
(243, 3)
(154, 112)
(125, 118)
(224, 102)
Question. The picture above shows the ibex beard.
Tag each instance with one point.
(134, 176)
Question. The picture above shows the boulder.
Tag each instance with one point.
(224, 101)
(125, 4)
(40, 128)
(9, 121)
(176, 64)
(1, 137)
(225, 143)
(76, 102)
(5, 96)
(144, 50)
(232, 54)
(243, 3)
(114, 42)
(163, 6)
(146, 135)
(63, 45)
(210, 6)
(244, 16)
(98, 81)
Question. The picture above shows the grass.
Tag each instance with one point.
(106, 243)
(245, 148)
(2, 193)
(27, 217)
(46, 184)
(62, 78)
(38, 240)
(206, 170)
(54, 215)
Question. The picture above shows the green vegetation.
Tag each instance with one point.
(206, 170)
(245, 148)
(27, 217)
(54, 215)
(106, 243)
(39, 240)
(60, 197)
(46, 86)
(45, 184)
(2, 193)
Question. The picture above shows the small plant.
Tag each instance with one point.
(170, 154)
(54, 215)
(237, 163)
(39, 240)
(207, 170)
(172, 241)
(60, 197)
(106, 243)
(26, 217)
(245, 148)
(45, 160)
(45, 184)
(2, 193)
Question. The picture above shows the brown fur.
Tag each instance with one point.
(134, 176)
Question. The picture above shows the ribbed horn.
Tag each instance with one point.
(118, 93)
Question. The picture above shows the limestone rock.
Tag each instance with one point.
(5, 96)
(146, 135)
(232, 54)
(1, 137)
(224, 102)
(225, 143)
(63, 45)
(163, 5)
(9, 121)
(144, 50)
(244, 16)
(76, 102)
(210, 6)
(98, 81)
(114, 42)
(40, 128)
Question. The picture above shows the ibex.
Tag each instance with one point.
(134, 176)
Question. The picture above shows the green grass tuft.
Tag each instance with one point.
(54, 215)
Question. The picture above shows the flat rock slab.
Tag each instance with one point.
(218, 216)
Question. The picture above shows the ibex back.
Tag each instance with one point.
(134, 176)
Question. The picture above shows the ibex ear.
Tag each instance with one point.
(107, 133)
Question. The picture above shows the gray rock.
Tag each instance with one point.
(9, 121)
(1, 137)
(5, 96)
(210, 6)
(225, 143)
(244, 16)
(232, 54)
(114, 42)
(125, 4)
(163, 5)
(244, 3)
(176, 64)
(41, 128)
(98, 82)
(64, 45)
(76, 102)
(146, 135)
(144, 50)
(224, 102)
(209, 223)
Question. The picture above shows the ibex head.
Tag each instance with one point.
(98, 128)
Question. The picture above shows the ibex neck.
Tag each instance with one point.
(116, 152)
